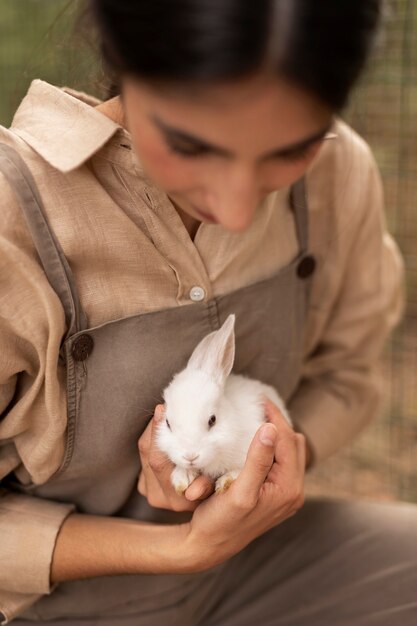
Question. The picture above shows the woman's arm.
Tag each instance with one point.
(356, 298)
(92, 545)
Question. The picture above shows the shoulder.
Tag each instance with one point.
(346, 148)
(14, 231)
(55, 188)
(13, 228)
(346, 214)
(344, 182)
(24, 286)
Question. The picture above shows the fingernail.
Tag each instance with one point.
(158, 412)
(195, 494)
(268, 435)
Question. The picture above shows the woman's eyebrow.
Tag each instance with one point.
(176, 134)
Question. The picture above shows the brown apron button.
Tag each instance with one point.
(82, 347)
(306, 267)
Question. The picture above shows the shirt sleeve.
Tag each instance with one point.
(340, 389)
(32, 421)
(13, 604)
(28, 530)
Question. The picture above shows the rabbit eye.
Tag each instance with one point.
(168, 424)
(212, 421)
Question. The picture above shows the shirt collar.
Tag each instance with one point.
(62, 125)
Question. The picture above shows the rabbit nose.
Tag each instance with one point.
(190, 457)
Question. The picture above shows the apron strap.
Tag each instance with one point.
(55, 265)
(299, 204)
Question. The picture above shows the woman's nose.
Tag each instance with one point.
(235, 199)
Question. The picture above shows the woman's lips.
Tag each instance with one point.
(206, 216)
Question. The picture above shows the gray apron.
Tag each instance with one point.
(115, 375)
(338, 563)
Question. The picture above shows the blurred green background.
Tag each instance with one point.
(38, 40)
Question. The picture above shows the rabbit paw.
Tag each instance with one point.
(182, 478)
(223, 482)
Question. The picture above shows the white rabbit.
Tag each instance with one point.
(211, 414)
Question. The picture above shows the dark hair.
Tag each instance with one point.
(320, 45)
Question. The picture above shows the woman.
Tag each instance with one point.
(132, 228)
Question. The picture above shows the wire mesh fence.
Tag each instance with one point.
(37, 40)
(382, 463)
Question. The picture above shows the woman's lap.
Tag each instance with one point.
(334, 562)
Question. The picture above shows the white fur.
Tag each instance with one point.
(205, 388)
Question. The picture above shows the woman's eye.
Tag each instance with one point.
(188, 150)
(168, 424)
(296, 156)
(212, 421)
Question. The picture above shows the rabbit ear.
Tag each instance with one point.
(216, 352)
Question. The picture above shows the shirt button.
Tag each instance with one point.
(82, 347)
(197, 294)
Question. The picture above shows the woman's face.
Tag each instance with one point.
(221, 149)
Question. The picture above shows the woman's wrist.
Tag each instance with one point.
(200, 555)
(162, 549)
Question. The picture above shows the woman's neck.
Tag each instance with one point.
(114, 110)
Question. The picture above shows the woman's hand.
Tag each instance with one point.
(269, 489)
(154, 479)
(266, 492)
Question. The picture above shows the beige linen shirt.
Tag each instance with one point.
(130, 253)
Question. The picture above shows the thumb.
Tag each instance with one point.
(258, 461)
(157, 419)
(158, 460)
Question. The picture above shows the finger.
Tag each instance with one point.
(200, 489)
(294, 489)
(286, 450)
(160, 464)
(142, 484)
(258, 463)
(144, 441)
(274, 415)
(288, 469)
